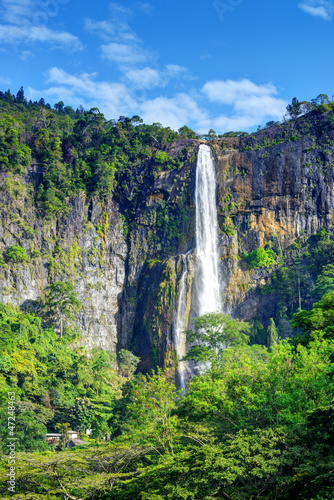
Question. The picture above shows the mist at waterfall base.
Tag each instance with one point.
(206, 282)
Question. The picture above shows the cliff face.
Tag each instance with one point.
(68, 248)
(125, 256)
(272, 191)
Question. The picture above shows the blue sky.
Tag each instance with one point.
(221, 64)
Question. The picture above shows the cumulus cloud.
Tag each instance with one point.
(111, 98)
(172, 111)
(144, 78)
(249, 104)
(145, 7)
(26, 55)
(318, 8)
(243, 106)
(175, 71)
(231, 91)
(119, 10)
(152, 77)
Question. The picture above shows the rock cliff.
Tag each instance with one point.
(125, 256)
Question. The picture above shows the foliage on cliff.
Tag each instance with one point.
(77, 151)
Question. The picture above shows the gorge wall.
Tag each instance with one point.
(125, 256)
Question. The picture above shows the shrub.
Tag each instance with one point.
(15, 253)
(260, 258)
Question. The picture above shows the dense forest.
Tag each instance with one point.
(256, 422)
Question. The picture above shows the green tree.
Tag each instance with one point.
(20, 96)
(81, 415)
(59, 106)
(187, 132)
(272, 334)
(15, 253)
(213, 333)
(322, 104)
(127, 363)
(150, 413)
(61, 302)
(325, 281)
(63, 428)
(318, 321)
(293, 109)
(260, 258)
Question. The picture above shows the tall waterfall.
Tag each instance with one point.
(207, 279)
(180, 341)
(207, 293)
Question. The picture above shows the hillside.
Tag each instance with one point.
(108, 206)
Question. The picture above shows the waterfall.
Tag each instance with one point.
(207, 291)
(180, 341)
(206, 284)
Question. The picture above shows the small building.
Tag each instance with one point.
(53, 437)
(72, 435)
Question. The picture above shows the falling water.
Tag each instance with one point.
(207, 294)
(207, 276)
(180, 341)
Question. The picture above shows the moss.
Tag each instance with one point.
(102, 230)
(94, 286)
(154, 355)
(152, 262)
(14, 188)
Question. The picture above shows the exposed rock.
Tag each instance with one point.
(125, 256)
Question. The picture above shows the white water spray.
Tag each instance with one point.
(180, 341)
(207, 290)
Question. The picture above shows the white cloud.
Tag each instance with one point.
(4, 81)
(113, 99)
(318, 8)
(119, 10)
(24, 21)
(174, 70)
(230, 91)
(172, 111)
(17, 11)
(123, 54)
(144, 78)
(251, 104)
(150, 77)
(258, 103)
(107, 30)
(26, 55)
(122, 45)
(14, 34)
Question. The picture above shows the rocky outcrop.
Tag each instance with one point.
(86, 246)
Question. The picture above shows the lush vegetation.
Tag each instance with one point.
(257, 423)
(53, 383)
